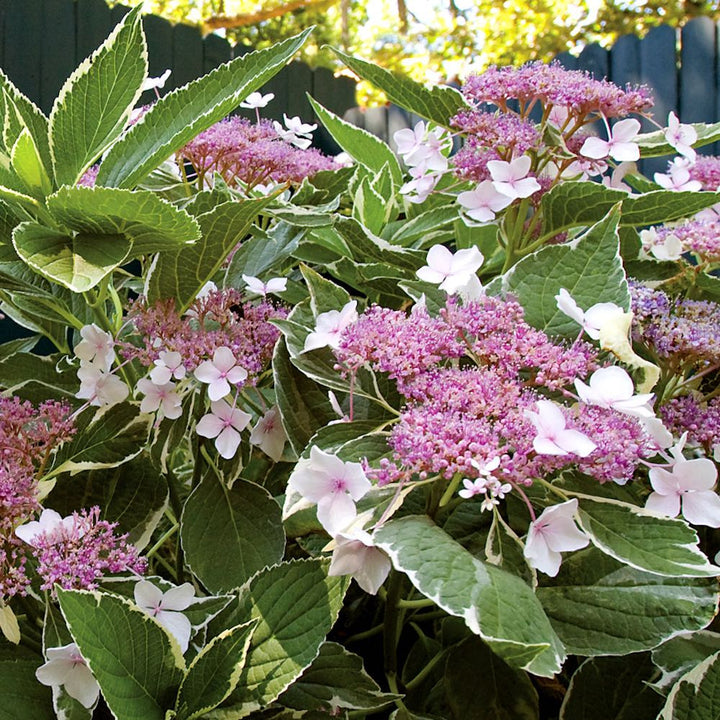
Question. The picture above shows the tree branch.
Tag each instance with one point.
(244, 19)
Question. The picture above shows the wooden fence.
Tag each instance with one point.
(43, 41)
(682, 69)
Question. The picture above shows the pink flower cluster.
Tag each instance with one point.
(251, 153)
(700, 420)
(472, 379)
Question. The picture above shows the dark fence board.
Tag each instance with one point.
(625, 61)
(216, 51)
(299, 79)
(159, 36)
(22, 56)
(94, 23)
(58, 56)
(594, 60)
(3, 10)
(187, 49)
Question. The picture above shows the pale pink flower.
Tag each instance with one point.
(552, 533)
(687, 488)
(450, 271)
(269, 434)
(96, 347)
(157, 83)
(483, 202)
(224, 423)
(593, 319)
(166, 607)
(330, 325)
(295, 132)
(100, 388)
(160, 397)
(511, 178)
(258, 287)
(332, 484)
(612, 387)
(681, 137)
(422, 146)
(220, 372)
(256, 100)
(678, 177)
(422, 184)
(168, 365)
(355, 554)
(66, 667)
(49, 524)
(669, 248)
(553, 438)
(619, 146)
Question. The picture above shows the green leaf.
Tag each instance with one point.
(180, 115)
(696, 696)
(136, 662)
(105, 438)
(570, 204)
(95, 102)
(654, 144)
(22, 695)
(297, 604)
(681, 654)
(22, 368)
(76, 261)
(612, 688)
(662, 206)
(643, 540)
(133, 494)
(442, 570)
(325, 295)
(336, 679)
(182, 274)
(253, 537)
(599, 606)
(424, 226)
(473, 672)
(438, 103)
(369, 207)
(27, 164)
(141, 216)
(589, 268)
(362, 146)
(215, 672)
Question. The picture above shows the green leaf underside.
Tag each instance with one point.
(600, 607)
(660, 545)
(696, 696)
(496, 605)
(590, 269)
(181, 114)
(214, 673)
(136, 662)
(78, 262)
(95, 102)
(253, 535)
(438, 103)
(297, 604)
(144, 218)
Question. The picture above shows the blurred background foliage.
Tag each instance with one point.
(431, 40)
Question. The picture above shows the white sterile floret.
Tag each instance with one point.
(269, 434)
(681, 137)
(481, 204)
(669, 248)
(619, 146)
(224, 423)
(333, 485)
(256, 100)
(511, 178)
(552, 533)
(157, 83)
(50, 523)
(594, 319)
(168, 365)
(258, 287)
(97, 347)
(450, 271)
(66, 667)
(612, 387)
(553, 438)
(355, 554)
(329, 327)
(220, 372)
(160, 397)
(166, 608)
(100, 388)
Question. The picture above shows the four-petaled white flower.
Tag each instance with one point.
(687, 488)
(256, 100)
(619, 146)
(612, 387)
(166, 607)
(481, 204)
(100, 388)
(296, 132)
(157, 83)
(420, 145)
(450, 271)
(269, 434)
(553, 438)
(332, 484)
(330, 325)
(50, 524)
(592, 320)
(678, 177)
(669, 248)
(258, 287)
(552, 533)
(66, 667)
(97, 347)
(355, 554)
(168, 365)
(422, 184)
(224, 423)
(681, 137)
(220, 372)
(511, 178)
(160, 397)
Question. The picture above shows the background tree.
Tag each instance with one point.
(433, 40)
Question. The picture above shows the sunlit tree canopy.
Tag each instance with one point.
(432, 40)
